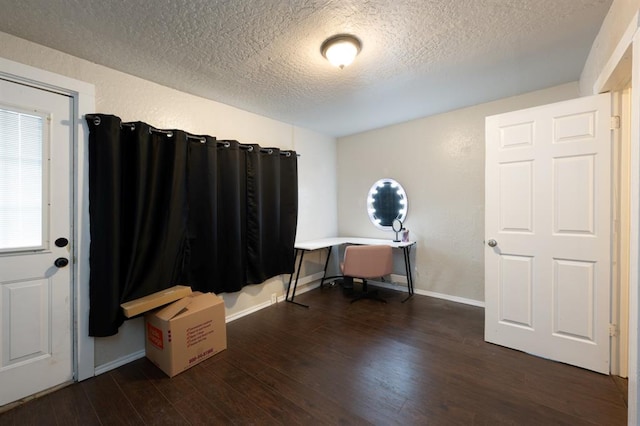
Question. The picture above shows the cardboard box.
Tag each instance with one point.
(152, 301)
(185, 332)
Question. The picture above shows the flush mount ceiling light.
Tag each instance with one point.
(341, 49)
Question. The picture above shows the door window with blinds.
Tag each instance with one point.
(23, 171)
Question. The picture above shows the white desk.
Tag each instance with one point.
(328, 243)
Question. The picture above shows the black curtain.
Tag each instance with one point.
(288, 211)
(272, 197)
(232, 217)
(138, 211)
(202, 247)
(263, 219)
(171, 208)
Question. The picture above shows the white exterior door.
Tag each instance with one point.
(35, 240)
(548, 231)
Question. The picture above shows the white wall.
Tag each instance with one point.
(132, 99)
(604, 47)
(439, 160)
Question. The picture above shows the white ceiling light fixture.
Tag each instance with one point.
(341, 49)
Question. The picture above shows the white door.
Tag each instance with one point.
(547, 228)
(35, 225)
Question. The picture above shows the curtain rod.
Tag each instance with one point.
(202, 139)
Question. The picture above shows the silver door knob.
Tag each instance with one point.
(492, 243)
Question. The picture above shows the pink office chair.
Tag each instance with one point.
(367, 262)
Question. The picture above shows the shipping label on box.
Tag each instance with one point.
(186, 332)
(154, 336)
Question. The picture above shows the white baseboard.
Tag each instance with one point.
(118, 362)
(308, 283)
(245, 312)
(400, 279)
(400, 284)
(463, 300)
(309, 279)
(304, 284)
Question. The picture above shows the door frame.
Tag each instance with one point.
(621, 218)
(634, 250)
(83, 95)
(622, 67)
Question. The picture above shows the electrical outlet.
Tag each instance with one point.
(274, 298)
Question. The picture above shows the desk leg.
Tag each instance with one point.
(295, 256)
(295, 285)
(407, 265)
(326, 263)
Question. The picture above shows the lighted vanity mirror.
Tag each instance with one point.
(386, 202)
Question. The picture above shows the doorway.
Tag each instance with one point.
(80, 100)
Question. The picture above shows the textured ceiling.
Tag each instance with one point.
(418, 58)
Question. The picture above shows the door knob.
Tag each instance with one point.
(61, 262)
(61, 242)
(492, 243)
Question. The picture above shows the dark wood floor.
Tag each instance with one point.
(419, 363)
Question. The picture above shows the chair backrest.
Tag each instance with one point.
(367, 261)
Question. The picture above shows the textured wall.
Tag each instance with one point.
(132, 98)
(439, 160)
